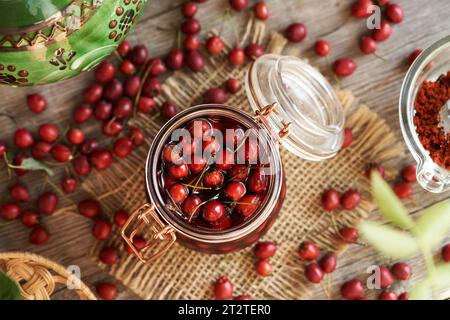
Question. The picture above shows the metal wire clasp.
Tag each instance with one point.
(163, 235)
(263, 113)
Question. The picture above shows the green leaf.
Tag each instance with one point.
(434, 224)
(8, 288)
(390, 205)
(421, 291)
(389, 241)
(33, 164)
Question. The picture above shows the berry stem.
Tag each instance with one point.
(197, 187)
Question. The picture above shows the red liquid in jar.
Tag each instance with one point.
(213, 178)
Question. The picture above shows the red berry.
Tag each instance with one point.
(89, 146)
(445, 252)
(36, 103)
(113, 90)
(262, 11)
(247, 205)
(190, 26)
(263, 268)
(330, 200)
(382, 33)
(296, 32)
(254, 51)
(41, 150)
(101, 229)
(18, 162)
(350, 199)
(19, 193)
(152, 87)
(120, 218)
(239, 5)
(30, 219)
(23, 139)
(374, 166)
(139, 54)
(168, 110)
(156, 67)
(328, 262)
(349, 234)
(127, 67)
(215, 96)
(81, 165)
(191, 205)
(403, 190)
(223, 288)
(175, 59)
(105, 72)
(191, 42)
(94, 93)
(409, 173)
(61, 153)
(233, 85)
(360, 9)
(322, 48)
(236, 56)
(146, 105)
(404, 296)
(123, 147)
(106, 290)
(195, 60)
(112, 128)
(386, 278)
(48, 132)
(394, 13)
(132, 85)
(243, 297)
(308, 251)
(124, 48)
(139, 243)
(257, 181)
(102, 159)
(9, 211)
(137, 136)
(214, 45)
(108, 255)
(265, 250)
(344, 67)
(413, 56)
(348, 138)
(213, 211)
(89, 208)
(313, 273)
(367, 45)
(123, 108)
(234, 190)
(352, 289)
(3, 149)
(38, 235)
(401, 270)
(387, 295)
(75, 136)
(178, 193)
(213, 179)
(47, 203)
(82, 113)
(69, 184)
(189, 9)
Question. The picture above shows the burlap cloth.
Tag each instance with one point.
(185, 274)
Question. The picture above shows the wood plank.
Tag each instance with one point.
(377, 82)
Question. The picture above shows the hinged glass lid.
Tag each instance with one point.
(306, 103)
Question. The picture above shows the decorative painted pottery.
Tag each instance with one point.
(44, 41)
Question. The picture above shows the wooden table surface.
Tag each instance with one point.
(376, 81)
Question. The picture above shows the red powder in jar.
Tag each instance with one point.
(430, 98)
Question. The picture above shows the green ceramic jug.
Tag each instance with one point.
(43, 41)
